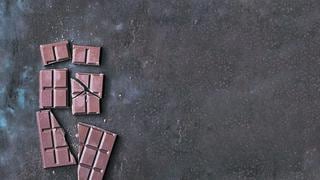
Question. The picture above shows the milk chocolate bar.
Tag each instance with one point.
(54, 52)
(94, 151)
(86, 92)
(86, 55)
(53, 90)
(54, 149)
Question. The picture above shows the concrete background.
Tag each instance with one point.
(196, 89)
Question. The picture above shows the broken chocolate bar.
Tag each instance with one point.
(94, 151)
(86, 55)
(54, 149)
(53, 88)
(86, 92)
(55, 52)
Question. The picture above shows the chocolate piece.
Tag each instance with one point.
(55, 52)
(54, 149)
(95, 146)
(53, 88)
(86, 92)
(87, 55)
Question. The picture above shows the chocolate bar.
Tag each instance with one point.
(53, 91)
(86, 55)
(95, 146)
(86, 92)
(54, 149)
(54, 52)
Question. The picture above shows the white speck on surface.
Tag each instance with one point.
(129, 91)
(119, 26)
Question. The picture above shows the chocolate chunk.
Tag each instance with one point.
(95, 146)
(87, 55)
(55, 52)
(54, 149)
(53, 90)
(86, 92)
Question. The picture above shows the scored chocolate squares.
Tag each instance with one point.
(53, 88)
(86, 92)
(95, 147)
(54, 52)
(86, 55)
(54, 148)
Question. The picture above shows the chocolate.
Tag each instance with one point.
(86, 55)
(53, 90)
(54, 52)
(95, 146)
(54, 148)
(86, 92)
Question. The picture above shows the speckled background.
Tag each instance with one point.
(196, 89)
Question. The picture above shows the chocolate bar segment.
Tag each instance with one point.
(54, 52)
(54, 148)
(53, 90)
(86, 55)
(95, 147)
(86, 92)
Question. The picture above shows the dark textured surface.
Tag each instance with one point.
(197, 89)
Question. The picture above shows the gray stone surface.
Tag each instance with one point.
(196, 89)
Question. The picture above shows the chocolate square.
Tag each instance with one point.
(88, 156)
(79, 104)
(45, 79)
(45, 98)
(107, 142)
(102, 158)
(60, 97)
(53, 90)
(83, 172)
(83, 78)
(94, 137)
(60, 78)
(96, 84)
(46, 139)
(48, 158)
(63, 155)
(96, 174)
(45, 122)
(61, 51)
(93, 104)
(54, 52)
(86, 55)
(58, 138)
